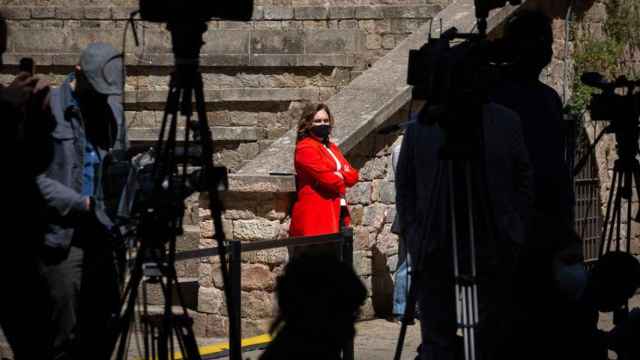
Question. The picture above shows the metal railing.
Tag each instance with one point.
(236, 248)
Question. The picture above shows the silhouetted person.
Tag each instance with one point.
(25, 140)
(496, 148)
(581, 295)
(79, 254)
(528, 41)
(319, 299)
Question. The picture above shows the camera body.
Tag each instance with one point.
(610, 105)
(178, 11)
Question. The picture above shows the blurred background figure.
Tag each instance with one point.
(322, 178)
(402, 277)
(26, 151)
(319, 298)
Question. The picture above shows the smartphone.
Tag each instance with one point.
(27, 65)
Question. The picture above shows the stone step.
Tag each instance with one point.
(220, 134)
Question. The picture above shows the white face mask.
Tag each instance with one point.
(570, 279)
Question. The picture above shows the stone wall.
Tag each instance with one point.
(257, 76)
(256, 73)
(254, 216)
(591, 25)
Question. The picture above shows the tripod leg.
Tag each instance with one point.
(216, 207)
(462, 306)
(473, 288)
(416, 274)
(612, 192)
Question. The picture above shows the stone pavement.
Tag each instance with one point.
(375, 339)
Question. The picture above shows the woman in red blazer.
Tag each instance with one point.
(322, 177)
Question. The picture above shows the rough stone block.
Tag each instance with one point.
(274, 60)
(347, 24)
(277, 42)
(226, 42)
(374, 215)
(43, 12)
(249, 150)
(278, 13)
(366, 311)
(121, 12)
(258, 13)
(387, 242)
(356, 214)
(360, 193)
(292, 25)
(31, 41)
(330, 41)
(399, 11)
(369, 12)
(269, 25)
(405, 26)
(362, 262)
(256, 305)
(315, 24)
(342, 12)
(362, 239)
(272, 257)
(257, 229)
(16, 12)
(387, 192)
(373, 169)
(210, 300)
(373, 42)
(255, 327)
(311, 13)
(392, 263)
(65, 13)
(391, 215)
(388, 42)
(97, 13)
(257, 277)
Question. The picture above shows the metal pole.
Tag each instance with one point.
(235, 329)
(346, 247)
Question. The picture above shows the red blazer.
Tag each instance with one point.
(317, 207)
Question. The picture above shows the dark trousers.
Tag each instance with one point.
(84, 294)
(24, 306)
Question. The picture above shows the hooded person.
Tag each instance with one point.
(89, 136)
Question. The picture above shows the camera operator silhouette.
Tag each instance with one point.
(319, 298)
(79, 250)
(24, 305)
(528, 44)
(495, 148)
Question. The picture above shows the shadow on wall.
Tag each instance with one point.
(381, 284)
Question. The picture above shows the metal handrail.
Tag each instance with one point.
(236, 248)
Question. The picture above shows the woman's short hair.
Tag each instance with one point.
(306, 120)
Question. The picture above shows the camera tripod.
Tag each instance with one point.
(161, 222)
(459, 187)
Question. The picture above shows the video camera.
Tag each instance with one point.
(443, 70)
(609, 105)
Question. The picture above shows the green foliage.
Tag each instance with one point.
(605, 55)
(597, 56)
(623, 22)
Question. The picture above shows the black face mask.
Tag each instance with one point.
(321, 131)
